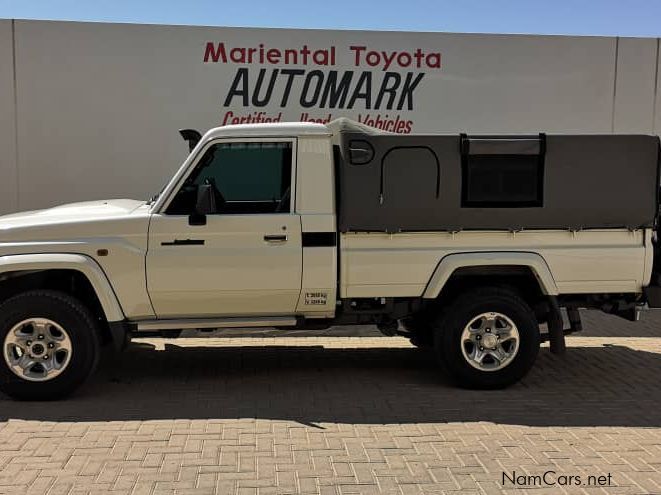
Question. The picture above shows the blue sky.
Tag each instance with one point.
(584, 17)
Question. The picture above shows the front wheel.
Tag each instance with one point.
(49, 345)
(487, 338)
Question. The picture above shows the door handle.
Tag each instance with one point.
(275, 238)
(184, 242)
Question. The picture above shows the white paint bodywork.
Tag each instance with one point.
(413, 264)
(453, 262)
(317, 212)
(236, 274)
(120, 226)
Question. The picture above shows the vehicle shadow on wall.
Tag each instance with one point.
(590, 386)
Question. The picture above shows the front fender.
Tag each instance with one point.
(452, 262)
(64, 261)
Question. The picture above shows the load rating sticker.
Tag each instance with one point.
(316, 298)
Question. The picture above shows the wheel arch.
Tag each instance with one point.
(12, 267)
(509, 262)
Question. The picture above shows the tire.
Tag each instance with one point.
(65, 325)
(456, 344)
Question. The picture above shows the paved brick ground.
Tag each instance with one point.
(342, 415)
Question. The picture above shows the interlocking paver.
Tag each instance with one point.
(290, 412)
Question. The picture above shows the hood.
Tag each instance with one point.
(72, 213)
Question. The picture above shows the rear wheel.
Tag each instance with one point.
(49, 345)
(487, 338)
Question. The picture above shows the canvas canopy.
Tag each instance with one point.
(393, 183)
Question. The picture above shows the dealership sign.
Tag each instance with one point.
(378, 81)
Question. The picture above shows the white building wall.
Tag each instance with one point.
(8, 191)
(522, 84)
(657, 95)
(99, 105)
(635, 88)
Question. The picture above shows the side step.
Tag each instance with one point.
(207, 323)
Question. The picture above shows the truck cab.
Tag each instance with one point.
(247, 226)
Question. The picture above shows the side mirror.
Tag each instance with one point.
(205, 204)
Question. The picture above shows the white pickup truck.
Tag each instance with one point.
(469, 245)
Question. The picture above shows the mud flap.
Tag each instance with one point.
(556, 330)
(653, 295)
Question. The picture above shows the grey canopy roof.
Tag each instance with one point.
(344, 124)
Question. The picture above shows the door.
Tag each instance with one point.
(243, 259)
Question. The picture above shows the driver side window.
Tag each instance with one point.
(248, 177)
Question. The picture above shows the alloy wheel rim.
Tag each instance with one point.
(37, 349)
(490, 341)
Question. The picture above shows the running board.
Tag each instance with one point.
(182, 324)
